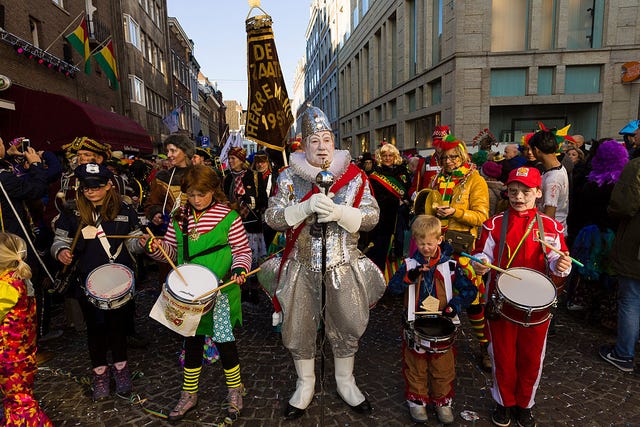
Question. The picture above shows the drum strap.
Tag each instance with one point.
(185, 243)
(503, 238)
(540, 237)
(102, 237)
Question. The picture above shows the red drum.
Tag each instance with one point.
(431, 332)
(526, 301)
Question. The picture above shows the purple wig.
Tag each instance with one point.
(608, 162)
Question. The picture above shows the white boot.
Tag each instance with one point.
(346, 384)
(305, 385)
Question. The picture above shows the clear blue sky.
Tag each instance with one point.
(217, 28)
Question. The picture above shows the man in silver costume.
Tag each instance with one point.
(353, 283)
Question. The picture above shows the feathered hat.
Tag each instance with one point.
(449, 142)
(484, 139)
(86, 143)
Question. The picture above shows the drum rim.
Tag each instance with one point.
(520, 306)
(200, 302)
(436, 338)
(120, 295)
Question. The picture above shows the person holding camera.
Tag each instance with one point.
(16, 190)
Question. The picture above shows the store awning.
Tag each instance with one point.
(52, 120)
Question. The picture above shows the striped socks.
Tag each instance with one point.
(232, 377)
(190, 381)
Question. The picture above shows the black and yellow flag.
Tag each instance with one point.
(269, 116)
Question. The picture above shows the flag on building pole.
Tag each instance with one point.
(79, 40)
(172, 120)
(107, 61)
(269, 116)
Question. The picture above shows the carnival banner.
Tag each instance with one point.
(269, 116)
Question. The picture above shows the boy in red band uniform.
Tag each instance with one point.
(517, 350)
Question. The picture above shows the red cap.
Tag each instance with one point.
(526, 176)
(439, 133)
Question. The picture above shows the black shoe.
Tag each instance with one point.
(363, 408)
(292, 413)
(525, 417)
(501, 416)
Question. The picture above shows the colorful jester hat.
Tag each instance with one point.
(560, 134)
(449, 142)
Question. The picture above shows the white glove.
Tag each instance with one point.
(321, 204)
(347, 217)
(318, 203)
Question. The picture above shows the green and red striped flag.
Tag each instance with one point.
(79, 40)
(107, 61)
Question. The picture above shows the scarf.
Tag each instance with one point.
(446, 183)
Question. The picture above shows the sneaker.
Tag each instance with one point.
(418, 413)
(187, 402)
(123, 380)
(445, 414)
(608, 353)
(233, 402)
(525, 417)
(501, 416)
(101, 386)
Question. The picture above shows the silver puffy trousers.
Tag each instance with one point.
(353, 282)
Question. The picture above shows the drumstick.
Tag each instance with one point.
(229, 283)
(428, 312)
(558, 251)
(501, 270)
(125, 236)
(168, 258)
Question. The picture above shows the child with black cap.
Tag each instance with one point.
(100, 214)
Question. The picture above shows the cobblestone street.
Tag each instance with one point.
(577, 388)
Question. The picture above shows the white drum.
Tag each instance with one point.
(177, 306)
(110, 286)
(528, 301)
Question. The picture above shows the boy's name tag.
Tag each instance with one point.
(89, 232)
(430, 304)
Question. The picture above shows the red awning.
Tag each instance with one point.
(51, 121)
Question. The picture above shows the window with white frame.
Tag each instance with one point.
(132, 32)
(136, 88)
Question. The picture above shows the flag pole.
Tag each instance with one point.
(100, 46)
(64, 31)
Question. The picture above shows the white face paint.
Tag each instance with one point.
(318, 148)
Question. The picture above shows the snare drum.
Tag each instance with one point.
(177, 307)
(110, 286)
(431, 332)
(528, 301)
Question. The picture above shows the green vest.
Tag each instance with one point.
(219, 262)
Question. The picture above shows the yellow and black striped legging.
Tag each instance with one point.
(193, 347)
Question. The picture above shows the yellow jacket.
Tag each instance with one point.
(471, 201)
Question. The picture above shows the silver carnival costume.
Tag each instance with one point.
(353, 283)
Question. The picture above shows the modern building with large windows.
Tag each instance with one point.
(408, 65)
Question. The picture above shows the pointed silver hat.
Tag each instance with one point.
(313, 120)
